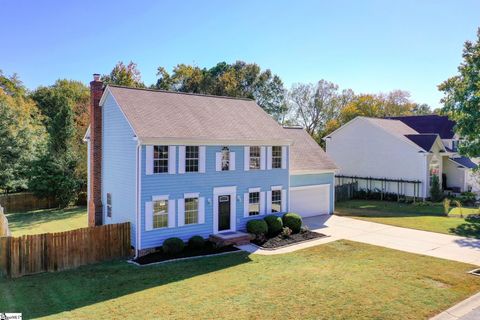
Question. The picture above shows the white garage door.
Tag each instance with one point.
(310, 200)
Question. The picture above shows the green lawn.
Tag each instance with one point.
(50, 220)
(423, 217)
(339, 280)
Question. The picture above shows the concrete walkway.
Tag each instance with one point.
(409, 240)
(468, 309)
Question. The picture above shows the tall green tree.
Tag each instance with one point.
(21, 134)
(461, 101)
(240, 79)
(124, 75)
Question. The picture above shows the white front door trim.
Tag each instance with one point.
(225, 191)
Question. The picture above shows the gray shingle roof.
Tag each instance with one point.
(305, 153)
(171, 115)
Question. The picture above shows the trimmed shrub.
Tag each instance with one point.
(173, 245)
(196, 242)
(274, 224)
(257, 227)
(292, 221)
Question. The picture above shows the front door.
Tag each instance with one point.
(223, 213)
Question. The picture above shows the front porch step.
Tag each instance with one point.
(230, 238)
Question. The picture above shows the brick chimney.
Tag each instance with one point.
(95, 203)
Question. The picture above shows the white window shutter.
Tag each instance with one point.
(245, 204)
(246, 158)
(172, 159)
(201, 160)
(269, 158)
(181, 159)
(284, 157)
(171, 213)
(218, 161)
(201, 210)
(148, 216)
(262, 158)
(231, 165)
(149, 160)
(269, 202)
(181, 212)
(262, 202)
(284, 200)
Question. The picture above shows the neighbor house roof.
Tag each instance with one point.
(465, 162)
(440, 125)
(305, 153)
(156, 114)
(425, 141)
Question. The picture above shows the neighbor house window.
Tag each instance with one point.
(276, 200)
(254, 157)
(191, 158)
(109, 205)
(225, 159)
(160, 214)
(276, 157)
(254, 203)
(454, 145)
(160, 159)
(191, 210)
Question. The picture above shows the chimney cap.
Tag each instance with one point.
(96, 77)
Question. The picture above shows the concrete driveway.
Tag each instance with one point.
(422, 242)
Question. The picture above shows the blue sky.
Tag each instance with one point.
(369, 46)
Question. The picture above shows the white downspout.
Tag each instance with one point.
(137, 197)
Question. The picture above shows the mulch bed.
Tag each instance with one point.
(280, 241)
(160, 256)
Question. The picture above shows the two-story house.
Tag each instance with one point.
(178, 164)
(411, 148)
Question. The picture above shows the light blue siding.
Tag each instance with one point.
(118, 165)
(314, 179)
(175, 185)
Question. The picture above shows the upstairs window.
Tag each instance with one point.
(160, 214)
(160, 159)
(191, 158)
(276, 200)
(276, 157)
(254, 203)
(455, 145)
(191, 210)
(109, 205)
(225, 159)
(254, 157)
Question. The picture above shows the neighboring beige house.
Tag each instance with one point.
(408, 148)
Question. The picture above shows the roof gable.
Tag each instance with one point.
(425, 141)
(167, 115)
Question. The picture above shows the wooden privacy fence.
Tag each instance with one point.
(345, 191)
(4, 230)
(25, 201)
(51, 252)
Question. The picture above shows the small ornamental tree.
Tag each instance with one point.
(435, 191)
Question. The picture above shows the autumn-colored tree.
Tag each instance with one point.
(124, 75)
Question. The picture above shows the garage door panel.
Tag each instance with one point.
(310, 200)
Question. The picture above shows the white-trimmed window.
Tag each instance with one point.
(276, 200)
(191, 158)
(160, 159)
(276, 157)
(191, 210)
(254, 203)
(225, 159)
(254, 157)
(160, 214)
(109, 205)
